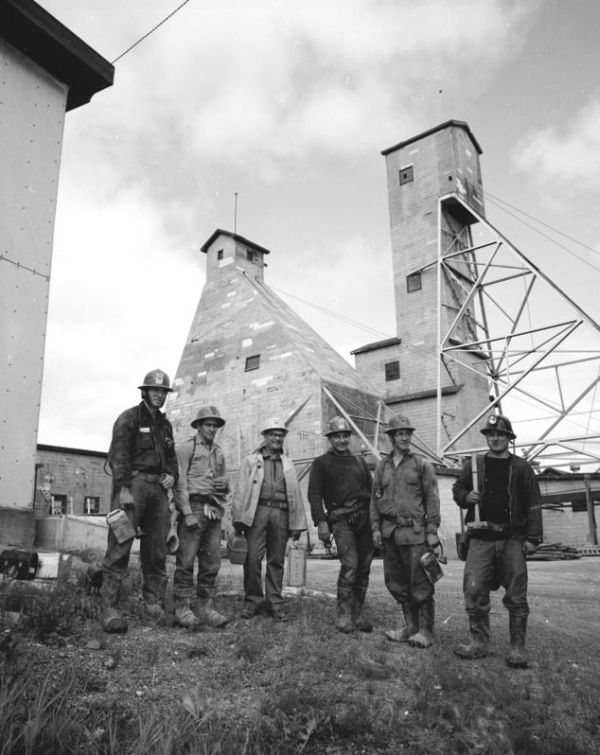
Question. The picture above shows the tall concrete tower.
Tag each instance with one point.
(425, 174)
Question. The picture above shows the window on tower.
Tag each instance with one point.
(392, 371)
(413, 282)
(252, 363)
(406, 175)
(220, 254)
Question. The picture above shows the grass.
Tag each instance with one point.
(262, 688)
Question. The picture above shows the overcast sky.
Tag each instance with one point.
(289, 104)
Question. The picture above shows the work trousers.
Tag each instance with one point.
(404, 576)
(354, 543)
(203, 544)
(150, 512)
(268, 534)
(491, 564)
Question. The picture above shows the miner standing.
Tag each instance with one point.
(267, 507)
(508, 530)
(200, 497)
(405, 516)
(144, 468)
(339, 491)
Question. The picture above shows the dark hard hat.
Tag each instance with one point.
(498, 423)
(398, 422)
(337, 425)
(274, 423)
(208, 412)
(156, 379)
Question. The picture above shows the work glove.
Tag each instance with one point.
(125, 498)
(240, 528)
(323, 531)
(295, 535)
(377, 541)
(473, 497)
(191, 522)
(167, 481)
(529, 548)
(220, 485)
(172, 540)
(210, 512)
(432, 540)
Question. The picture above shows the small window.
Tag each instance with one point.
(406, 175)
(392, 370)
(91, 505)
(413, 282)
(220, 254)
(59, 504)
(250, 255)
(252, 363)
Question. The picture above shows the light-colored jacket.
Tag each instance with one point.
(247, 492)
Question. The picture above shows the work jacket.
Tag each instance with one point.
(141, 442)
(199, 465)
(341, 483)
(249, 484)
(525, 503)
(405, 501)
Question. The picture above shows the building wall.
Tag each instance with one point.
(32, 111)
(74, 474)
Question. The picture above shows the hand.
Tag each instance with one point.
(125, 498)
(191, 522)
(220, 485)
(432, 540)
(167, 481)
(240, 528)
(172, 541)
(473, 497)
(295, 535)
(529, 548)
(377, 540)
(323, 531)
(210, 512)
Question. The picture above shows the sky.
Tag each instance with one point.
(288, 105)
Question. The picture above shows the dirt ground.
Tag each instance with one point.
(249, 667)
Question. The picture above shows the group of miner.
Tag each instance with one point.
(175, 496)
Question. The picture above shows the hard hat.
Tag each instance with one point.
(498, 423)
(337, 425)
(398, 422)
(274, 423)
(156, 379)
(208, 412)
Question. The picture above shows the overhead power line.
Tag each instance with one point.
(152, 30)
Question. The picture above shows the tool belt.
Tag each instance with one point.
(199, 498)
(400, 521)
(351, 513)
(273, 504)
(488, 531)
(148, 476)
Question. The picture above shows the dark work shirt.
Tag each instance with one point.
(338, 481)
(495, 501)
(273, 487)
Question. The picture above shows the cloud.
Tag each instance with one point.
(569, 158)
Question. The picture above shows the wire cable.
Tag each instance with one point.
(152, 30)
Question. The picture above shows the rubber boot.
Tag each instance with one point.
(184, 616)
(113, 620)
(480, 639)
(207, 614)
(424, 636)
(408, 624)
(153, 592)
(344, 621)
(360, 621)
(517, 658)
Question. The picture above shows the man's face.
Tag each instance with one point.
(208, 429)
(340, 442)
(156, 397)
(274, 441)
(401, 440)
(497, 442)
